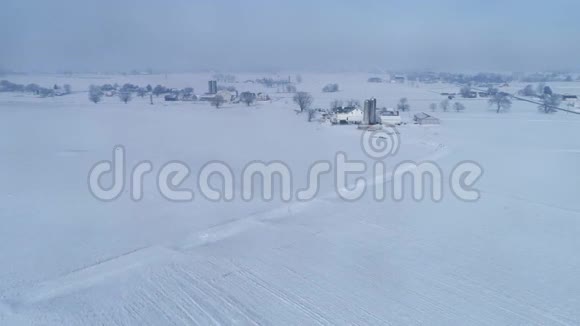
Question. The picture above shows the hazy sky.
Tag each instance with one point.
(291, 34)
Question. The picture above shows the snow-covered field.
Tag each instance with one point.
(66, 258)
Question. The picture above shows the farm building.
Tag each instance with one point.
(425, 119)
(571, 101)
(348, 115)
(390, 117)
(171, 97)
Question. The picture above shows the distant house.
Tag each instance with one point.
(205, 98)
(399, 79)
(569, 97)
(375, 80)
(261, 97)
(347, 115)
(171, 97)
(425, 119)
(471, 94)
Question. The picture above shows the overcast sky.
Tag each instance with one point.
(251, 35)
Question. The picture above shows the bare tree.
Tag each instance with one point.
(125, 96)
(141, 92)
(217, 101)
(465, 91)
(248, 98)
(151, 98)
(311, 115)
(501, 101)
(158, 90)
(528, 91)
(458, 107)
(433, 107)
(303, 100)
(353, 103)
(95, 94)
(403, 105)
(298, 79)
(445, 105)
(540, 89)
(335, 104)
(550, 103)
(290, 89)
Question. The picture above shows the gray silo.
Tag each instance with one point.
(373, 111)
(212, 87)
(366, 113)
(370, 112)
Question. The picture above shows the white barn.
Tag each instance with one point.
(390, 117)
(348, 115)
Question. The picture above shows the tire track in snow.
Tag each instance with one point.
(237, 226)
(92, 275)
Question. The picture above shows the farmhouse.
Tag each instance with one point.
(425, 119)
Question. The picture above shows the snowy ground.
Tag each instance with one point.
(68, 259)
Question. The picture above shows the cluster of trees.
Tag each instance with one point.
(7, 86)
(549, 102)
(248, 98)
(330, 88)
(548, 77)
(125, 92)
(454, 78)
(539, 91)
(304, 101)
(445, 106)
(404, 105)
(335, 104)
(481, 78)
(270, 82)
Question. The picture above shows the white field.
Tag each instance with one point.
(512, 258)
